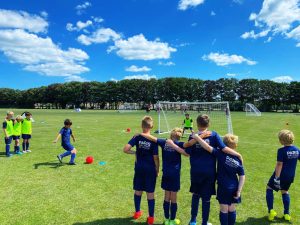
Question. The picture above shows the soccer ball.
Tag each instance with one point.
(89, 160)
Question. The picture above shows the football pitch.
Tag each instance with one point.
(35, 189)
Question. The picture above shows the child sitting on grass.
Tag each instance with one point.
(229, 185)
(65, 134)
(284, 174)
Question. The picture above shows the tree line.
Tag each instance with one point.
(267, 95)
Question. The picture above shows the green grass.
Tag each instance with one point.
(35, 190)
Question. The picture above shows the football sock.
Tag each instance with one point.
(286, 203)
(223, 218)
(231, 218)
(151, 205)
(166, 207)
(173, 211)
(195, 207)
(137, 202)
(269, 198)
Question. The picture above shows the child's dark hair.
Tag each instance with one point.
(68, 122)
(28, 114)
(203, 120)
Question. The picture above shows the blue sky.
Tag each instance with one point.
(42, 42)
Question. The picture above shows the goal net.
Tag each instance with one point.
(127, 107)
(251, 110)
(172, 114)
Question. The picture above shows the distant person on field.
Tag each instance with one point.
(284, 174)
(229, 185)
(17, 134)
(26, 131)
(146, 168)
(8, 129)
(187, 123)
(65, 133)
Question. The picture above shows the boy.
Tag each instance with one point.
(26, 132)
(65, 134)
(229, 186)
(17, 130)
(8, 128)
(284, 174)
(203, 170)
(187, 123)
(146, 169)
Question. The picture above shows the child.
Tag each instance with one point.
(17, 134)
(146, 168)
(229, 186)
(284, 174)
(65, 134)
(187, 123)
(171, 150)
(8, 128)
(26, 132)
(203, 170)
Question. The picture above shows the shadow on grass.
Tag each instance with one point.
(2, 154)
(52, 164)
(261, 221)
(112, 221)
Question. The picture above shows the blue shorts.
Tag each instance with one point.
(8, 140)
(225, 196)
(284, 184)
(68, 147)
(26, 136)
(171, 182)
(144, 181)
(203, 186)
(16, 137)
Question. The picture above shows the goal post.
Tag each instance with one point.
(172, 114)
(251, 110)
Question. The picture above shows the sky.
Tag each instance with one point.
(55, 41)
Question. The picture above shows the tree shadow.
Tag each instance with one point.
(261, 221)
(2, 154)
(51, 164)
(112, 221)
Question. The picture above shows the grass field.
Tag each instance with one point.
(34, 189)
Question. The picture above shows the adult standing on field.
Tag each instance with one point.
(8, 127)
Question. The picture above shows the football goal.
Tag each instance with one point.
(172, 114)
(251, 110)
(127, 107)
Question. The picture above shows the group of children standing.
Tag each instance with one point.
(205, 149)
(14, 129)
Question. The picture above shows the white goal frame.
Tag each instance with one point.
(197, 107)
(128, 107)
(251, 110)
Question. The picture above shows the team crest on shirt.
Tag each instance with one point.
(292, 154)
(206, 140)
(168, 148)
(145, 145)
(232, 162)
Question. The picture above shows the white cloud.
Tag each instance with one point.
(238, 1)
(79, 25)
(139, 48)
(22, 20)
(41, 55)
(253, 35)
(140, 77)
(212, 13)
(166, 63)
(102, 35)
(298, 45)
(283, 79)
(194, 24)
(97, 19)
(134, 68)
(44, 14)
(185, 4)
(80, 9)
(277, 17)
(75, 78)
(231, 74)
(226, 59)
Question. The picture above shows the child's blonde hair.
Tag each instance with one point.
(231, 140)
(286, 137)
(176, 133)
(19, 118)
(147, 122)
